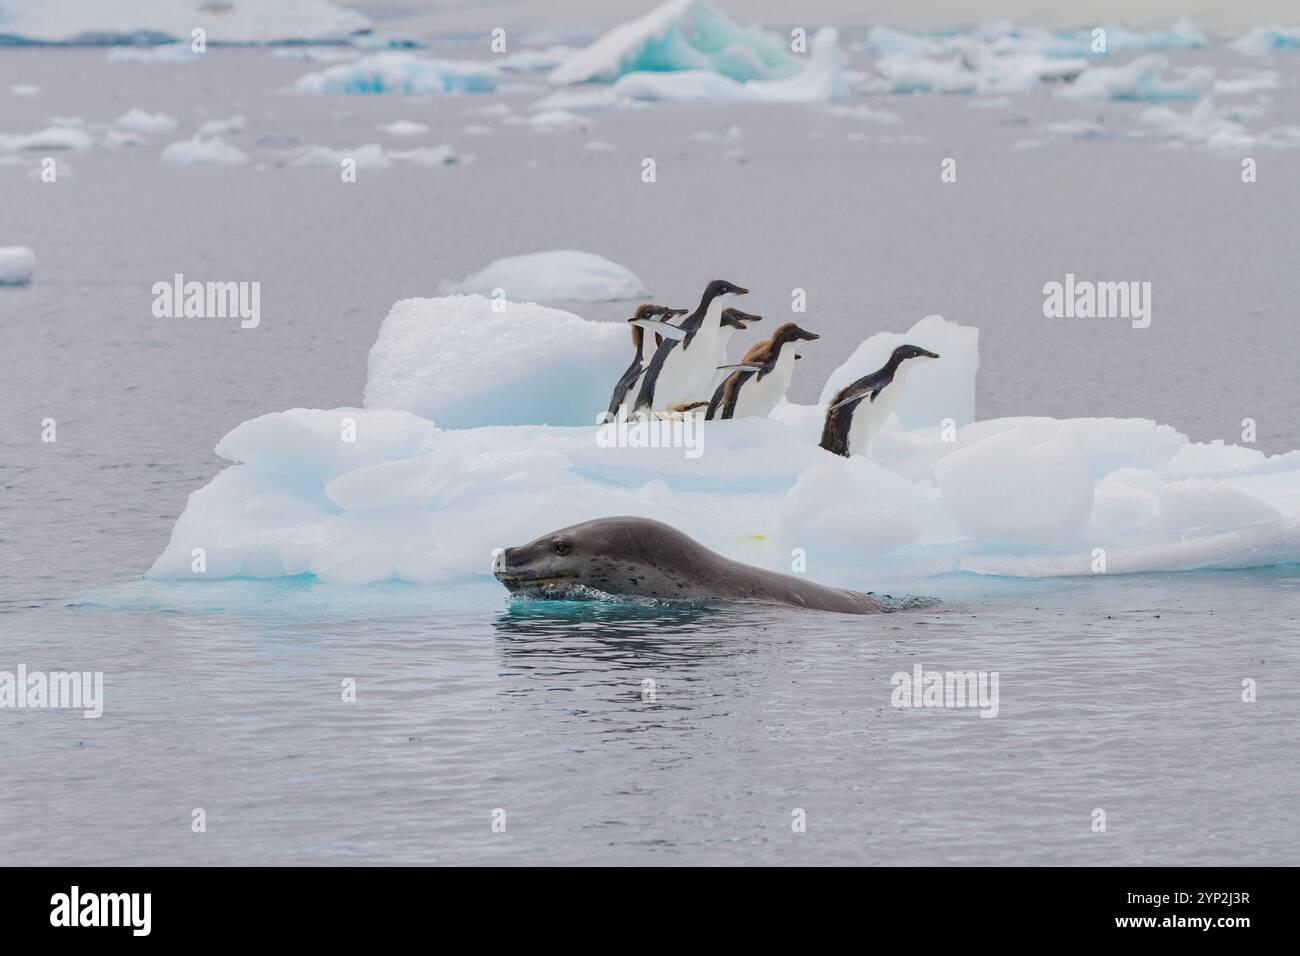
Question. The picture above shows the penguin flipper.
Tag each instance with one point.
(867, 393)
(659, 327)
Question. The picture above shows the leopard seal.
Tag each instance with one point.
(646, 558)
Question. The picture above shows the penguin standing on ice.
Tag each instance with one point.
(683, 367)
(858, 410)
(650, 316)
(760, 381)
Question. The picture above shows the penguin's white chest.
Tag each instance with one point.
(758, 396)
(687, 372)
(869, 417)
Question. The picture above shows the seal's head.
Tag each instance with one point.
(623, 555)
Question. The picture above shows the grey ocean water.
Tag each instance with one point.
(1121, 693)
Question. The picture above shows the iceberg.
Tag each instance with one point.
(680, 35)
(822, 79)
(560, 275)
(476, 433)
(408, 74)
(94, 22)
(17, 263)
(1141, 79)
(1267, 39)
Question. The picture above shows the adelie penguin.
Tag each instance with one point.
(683, 368)
(858, 410)
(760, 381)
(654, 317)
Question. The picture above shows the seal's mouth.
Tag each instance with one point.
(522, 580)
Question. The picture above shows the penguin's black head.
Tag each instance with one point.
(737, 319)
(789, 332)
(904, 352)
(649, 311)
(721, 287)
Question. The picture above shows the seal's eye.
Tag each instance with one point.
(561, 548)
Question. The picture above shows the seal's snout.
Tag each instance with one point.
(500, 558)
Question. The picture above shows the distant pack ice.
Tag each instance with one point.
(152, 21)
(17, 263)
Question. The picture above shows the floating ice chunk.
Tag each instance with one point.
(1142, 79)
(117, 139)
(315, 54)
(198, 151)
(1079, 129)
(51, 138)
(599, 146)
(136, 120)
(442, 155)
(935, 390)
(1267, 39)
(167, 53)
(1212, 459)
(461, 363)
(554, 121)
(1005, 36)
(369, 156)
(17, 264)
(560, 275)
(534, 61)
(224, 127)
(152, 21)
(25, 89)
(1201, 126)
(865, 113)
(408, 74)
(403, 128)
(1249, 81)
(680, 35)
(821, 80)
(886, 41)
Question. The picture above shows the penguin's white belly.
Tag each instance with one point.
(686, 373)
(869, 417)
(758, 397)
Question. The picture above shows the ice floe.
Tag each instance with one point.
(53, 137)
(152, 21)
(474, 436)
(1141, 79)
(17, 263)
(198, 151)
(403, 128)
(1268, 39)
(136, 120)
(225, 126)
(680, 35)
(558, 275)
(409, 74)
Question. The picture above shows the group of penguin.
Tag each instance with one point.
(688, 363)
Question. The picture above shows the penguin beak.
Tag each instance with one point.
(740, 291)
(810, 336)
(929, 354)
(797, 356)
